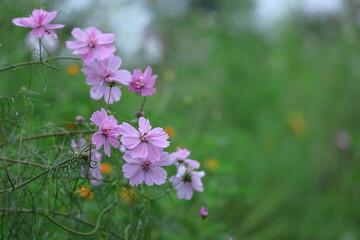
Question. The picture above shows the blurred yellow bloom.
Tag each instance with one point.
(170, 131)
(128, 195)
(298, 123)
(106, 168)
(86, 192)
(73, 69)
(269, 144)
(212, 163)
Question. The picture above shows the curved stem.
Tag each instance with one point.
(82, 233)
(153, 198)
(61, 214)
(50, 135)
(161, 195)
(44, 62)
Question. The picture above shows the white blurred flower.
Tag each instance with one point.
(343, 140)
(49, 45)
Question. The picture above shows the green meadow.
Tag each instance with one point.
(271, 115)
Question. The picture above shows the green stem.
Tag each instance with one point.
(7, 175)
(25, 163)
(108, 102)
(139, 223)
(5, 165)
(83, 233)
(64, 215)
(142, 105)
(50, 135)
(62, 58)
(40, 50)
(44, 62)
(35, 177)
(154, 198)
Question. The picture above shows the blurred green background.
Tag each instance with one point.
(271, 112)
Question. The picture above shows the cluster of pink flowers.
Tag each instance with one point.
(186, 179)
(102, 67)
(142, 148)
(97, 52)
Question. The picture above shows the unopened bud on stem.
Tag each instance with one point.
(203, 213)
(139, 114)
(85, 156)
(79, 118)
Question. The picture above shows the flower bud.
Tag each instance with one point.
(139, 114)
(203, 213)
(122, 148)
(85, 156)
(79, 118)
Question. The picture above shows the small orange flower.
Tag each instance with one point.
(73, 69)
(269, 144)
(106, 168)
(70, 126)
(128, 195)
(298, 123)
(86, 192)
(212, 163)
(170, 131)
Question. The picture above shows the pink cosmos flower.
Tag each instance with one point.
(94, 170)
(180, 158)
(39, 20)
(108, 133)
(92, 45)
(103, 75)
(140, 170)
(143, 82)
(186, 180)
(145, 143)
